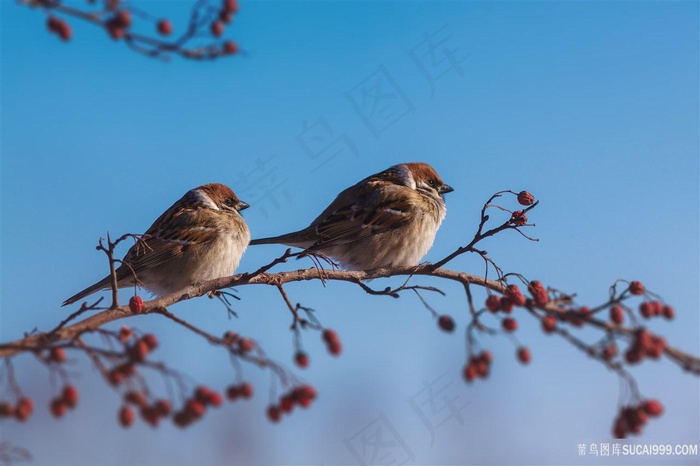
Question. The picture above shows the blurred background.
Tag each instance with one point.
(591, 106)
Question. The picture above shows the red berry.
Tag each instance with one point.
(195, 409)
(304, 395)
(60, 28)
(245, 345)
(329, 335)
(335, 348)
(215, 399)
(273, 413)
(225, 16)
(246, 390)
(469, 372)
(669, 312)
(57, 354)
(139, 351)
(510, 324)
(620, 428)
(150, 415)
(150, 340)
(115, 32)
(332, 341)
(182, 419)
(287, 403)
(230, 47)
(123, 19)
(482, 367)
(646, 309)
(217, 28)
(307, 391)
(70, 396)
(446, 323)
(202, 394)
(633, 355)
(507, 305)
(165, 27)
(301, 359)
(514, 294)
(126, 416)
(539, 294)
(549, 324)
(136, 398)
(657, 347)
(233, 392)
(58, 407)
(525, 198)
(616, 314)
(115, 377)
(609, 352)
(653, 408)
(636, 288)
(127, 369)
(25, 407)
(518, 218)
(493, 303)
(162, 408)
(230, 6)
(524, 355)
(125, 333)
(136, 304)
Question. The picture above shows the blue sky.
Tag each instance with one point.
(591, 106)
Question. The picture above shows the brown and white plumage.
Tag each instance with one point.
(200, 237)
(388, 219)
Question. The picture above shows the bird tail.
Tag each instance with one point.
(101, 285)
(290, 239)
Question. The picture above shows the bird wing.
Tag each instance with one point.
(377, 208)
(169, 238)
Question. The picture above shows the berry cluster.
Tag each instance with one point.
(478, 366)
(645, 344)
(68, 400)
(302, 396)
(242, 390)
(118, 21)
(242, 344)
(20, 411)
(631, 419)
(655, 309)
(136, 353)
(538, 292)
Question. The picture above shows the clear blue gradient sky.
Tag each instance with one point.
(591, 106)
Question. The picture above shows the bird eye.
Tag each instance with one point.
(231, 202)
(431, 183)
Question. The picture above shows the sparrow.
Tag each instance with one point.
(200, 237)
(388, 219)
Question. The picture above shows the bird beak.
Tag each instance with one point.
(242, 205)
(445, 188)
